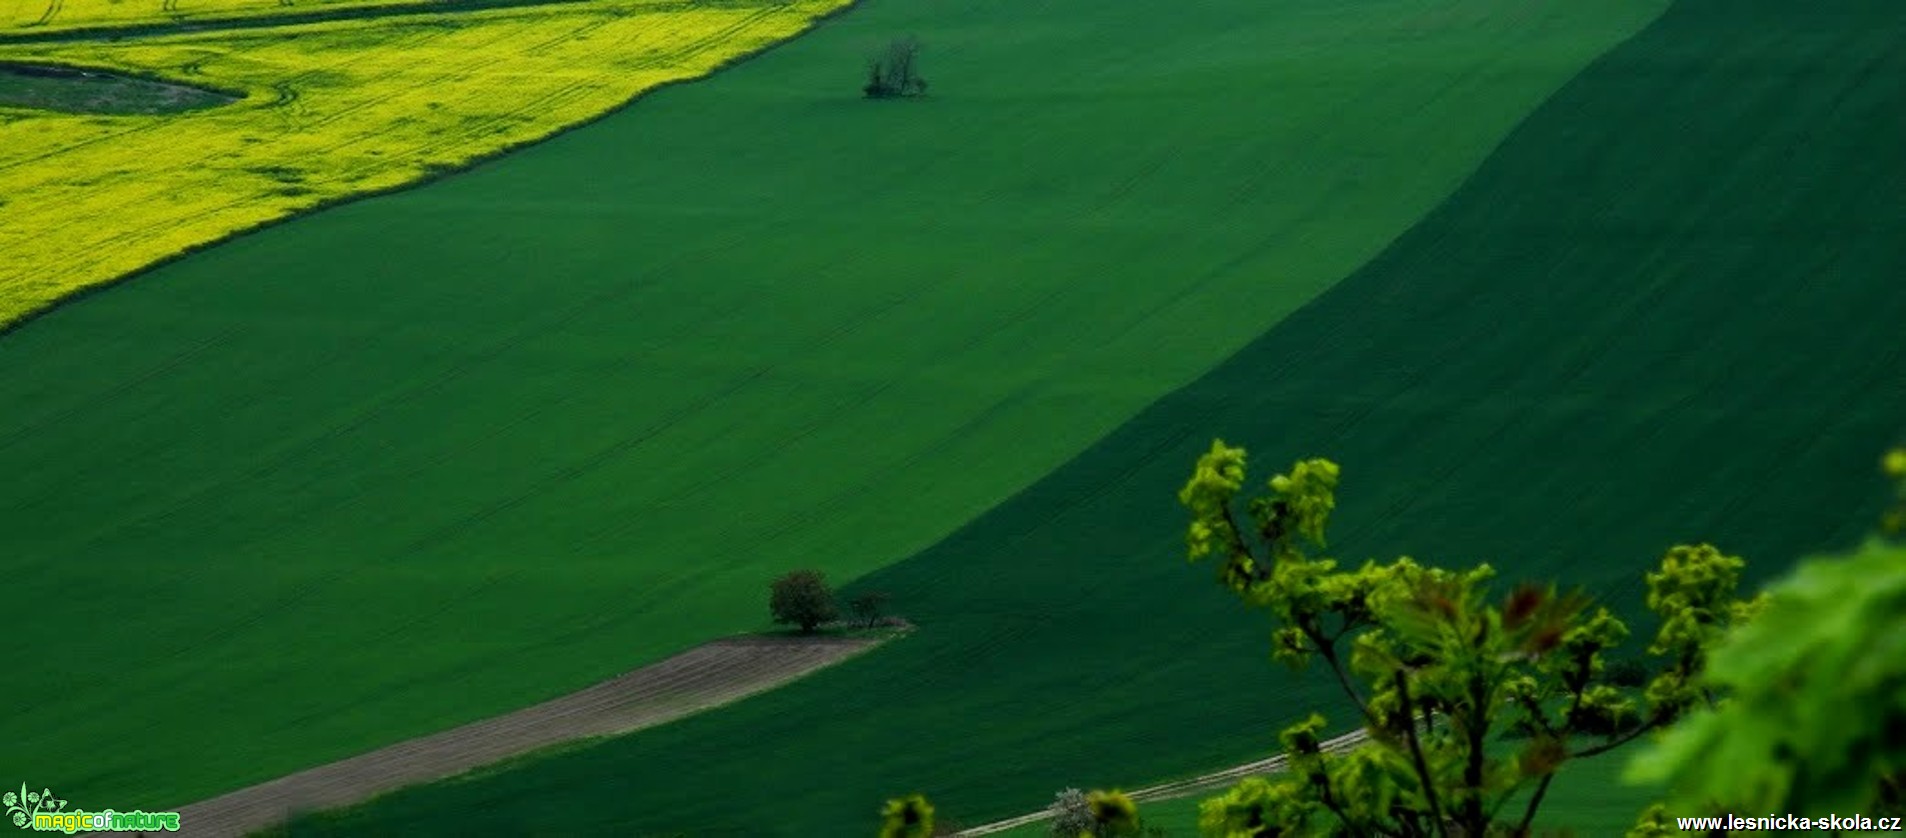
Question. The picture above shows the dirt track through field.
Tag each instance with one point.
(703, 677)
(1184, 788)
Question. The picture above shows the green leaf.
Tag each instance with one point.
(1815, 684)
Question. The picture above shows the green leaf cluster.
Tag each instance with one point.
(1815, 710)
(907, 817)
(1813, 715)
(1436, 662)
(1114, 815)
(802, 598)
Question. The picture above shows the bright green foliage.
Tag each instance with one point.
(1694, 593)
(1216, 479)
(1301, 592)
(1654, 823)
(907, 817)
(1114, 815)
(1895, 467)
(1255, 805)
(1816, 690)
(1442, 663)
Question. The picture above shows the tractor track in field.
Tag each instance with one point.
(1184, 788)
(706, 676)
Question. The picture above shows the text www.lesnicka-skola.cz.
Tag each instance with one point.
(1778, 823)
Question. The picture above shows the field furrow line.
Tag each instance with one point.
(116, 390)
(719, 477)
(714, 478)
(406, 395)
(610, 453)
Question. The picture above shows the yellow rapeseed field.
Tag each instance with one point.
(50, 15)
(332, 109)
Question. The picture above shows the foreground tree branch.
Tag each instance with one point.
(1434, 663)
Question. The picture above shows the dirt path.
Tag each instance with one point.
(1184, 788)
(703, 677)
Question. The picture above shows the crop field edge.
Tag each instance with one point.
(430, 175)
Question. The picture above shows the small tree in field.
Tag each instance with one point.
(907, 817)
(895, 71)
(869, 607)
(803, 599)
(1071, 814)
(1097, 814)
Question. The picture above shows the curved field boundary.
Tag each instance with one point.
(1184, 788)
(338, 105)
(703, 677)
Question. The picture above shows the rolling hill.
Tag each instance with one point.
(434, 456)
(1667, 309)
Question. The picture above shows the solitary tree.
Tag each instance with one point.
(869, 607)
(1433, 663)
(802, 599)
(894, 72)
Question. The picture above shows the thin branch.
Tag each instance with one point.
(1477, 728)
(1411, 820)
(1502, 800)
(1416, 754)
(1347, 625)
(1329, 653)
(1540, 716)
(1330, 801)
(1528, 813)
(1624, 739)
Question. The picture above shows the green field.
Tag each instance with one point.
(434, 456)
(1666, 309)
